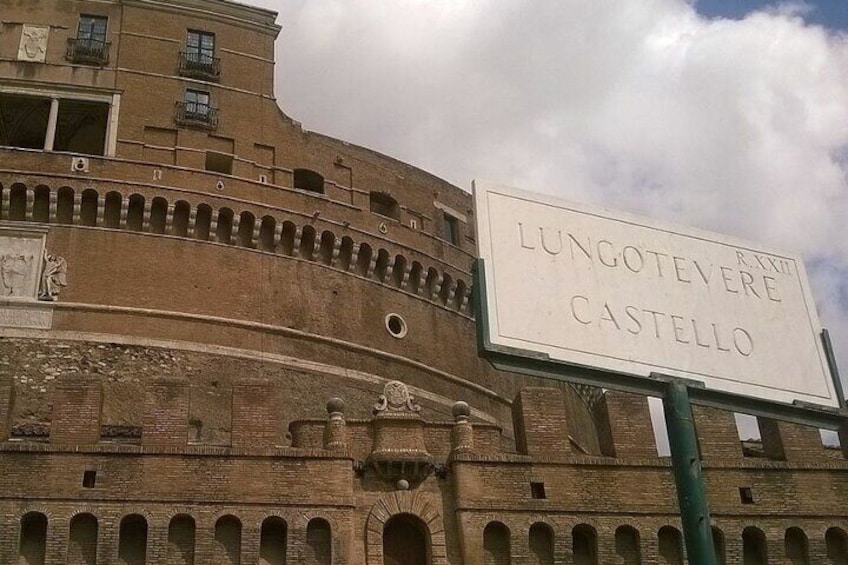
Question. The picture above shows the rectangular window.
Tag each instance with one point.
(200, 47)
(92, 29)
(450, 228)
(197, 104)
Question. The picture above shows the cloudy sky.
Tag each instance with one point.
(728, 115)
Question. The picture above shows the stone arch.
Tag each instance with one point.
(319, 542)
(203, 222)
(670, 545)
(227, 545)
(345, 253)
(88, 207)
(244, 237)
(287, 236)
(541, 541)
(158, 215)
(796, 546)
(41, 204)
(363, 259)
(327, 245)
(754, 548)
(497, 544)
(17, 202)
(836, 541)
(396, 504)
(132, 540)
(273, 541)
(224, 229)
(627, 545)
(398, 270)
(32, 545)
(180, 218)
(307, 242)
(584, 545)
(135, 212)
(112, 210)
(461, 289)
(415, 274)
(181, 539)
(266, 234)
(65, 205)
(381, 267)
(82, 539)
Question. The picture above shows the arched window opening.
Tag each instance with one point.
(41, 205)
(405, 541)
(627, 545)
(203, 222)
(247, 222)
(135, 212)
(382, 266)
(496, 545)
(836, 541)
(304, 179)
(415, 277)
(459, 296)
(112, 211)
(158, 215)
(541, 544)
(227, 548)
(363, 259)
(444, 292)
(431, 282)
(319, 542)
(670, 546)
(82, 540)
(384, 205)
(17, 203)
(398, 270)
(287, 237)
(345, 253)
(88, 208)
(224, 231)
(132, 540)
(65, 205)
(328, 242)
(718, 545)
(179, 221)
(754, 547)
(584, 545)
(307, 242)
(181, 540)
(33, 540)
(272, 542)
(795, 545)
(266, 233)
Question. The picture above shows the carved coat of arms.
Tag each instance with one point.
(33, 46)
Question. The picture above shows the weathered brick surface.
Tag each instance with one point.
(213, 346)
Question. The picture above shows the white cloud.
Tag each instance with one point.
(739, 126)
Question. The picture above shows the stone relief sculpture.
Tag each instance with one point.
(33, 46)
(396, 398)
(14, 272)
(54, 276)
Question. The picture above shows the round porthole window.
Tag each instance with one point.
(396, 326)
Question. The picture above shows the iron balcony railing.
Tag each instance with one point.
(196, 114)
(88, 51)
(200, 66)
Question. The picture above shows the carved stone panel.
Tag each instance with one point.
(21, 257)
(24, 265)
(33, 46)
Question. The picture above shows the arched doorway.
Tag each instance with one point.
(405, 541)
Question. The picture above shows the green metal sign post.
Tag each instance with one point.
(688, 476)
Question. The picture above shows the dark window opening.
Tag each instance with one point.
(90, 46)
(23, 121)
(89, 478)
(385, 205)
(81, 127)
(304, 179)
(538, 490)
(219, 162)
(450, 229)
(746, 495)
